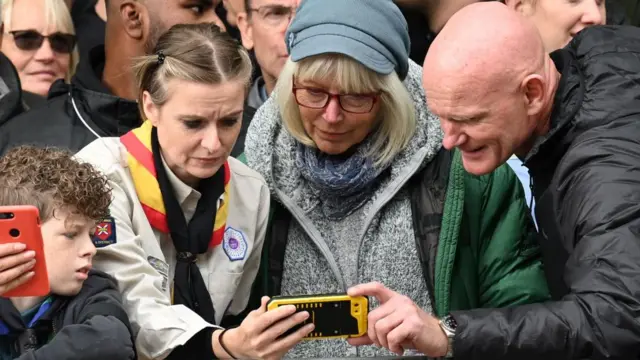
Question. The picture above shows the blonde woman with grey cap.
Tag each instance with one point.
(365, 194)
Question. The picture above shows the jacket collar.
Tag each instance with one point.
(108, 114)
(566, 104)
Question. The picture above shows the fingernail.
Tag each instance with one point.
(30, 273)
(29, 254)
(20, 246)
(31, 264)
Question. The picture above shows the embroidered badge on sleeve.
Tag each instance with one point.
(161, 267)
(105, 233)
(234, 244)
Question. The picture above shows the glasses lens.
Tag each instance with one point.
(356, 103)
(311, 98)
(28, 40)
(276, 15)
(62, 43)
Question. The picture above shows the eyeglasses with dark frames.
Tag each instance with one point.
(275, 15)
(315, 98)
(29, 40)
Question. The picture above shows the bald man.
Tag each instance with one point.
(101, 99)
(574, 119)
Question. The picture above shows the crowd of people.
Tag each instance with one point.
(472, 167)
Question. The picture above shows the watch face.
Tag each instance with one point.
(449, 322)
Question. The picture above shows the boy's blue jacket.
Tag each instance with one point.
(89, 326)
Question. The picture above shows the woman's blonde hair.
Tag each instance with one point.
(396, 120)
(56, 13)
(193, 52)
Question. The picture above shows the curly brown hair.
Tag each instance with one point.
(50, 179)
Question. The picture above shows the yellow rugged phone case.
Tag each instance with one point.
(334, 315)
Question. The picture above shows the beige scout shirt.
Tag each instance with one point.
(143, 259)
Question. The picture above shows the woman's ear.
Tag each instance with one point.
(151, 110)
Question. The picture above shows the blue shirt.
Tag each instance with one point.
(525, 179)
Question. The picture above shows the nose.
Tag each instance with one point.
(45, 52)
(593, 14)
(333, 111)
(211, 140)
(452, 135)
(88, 249)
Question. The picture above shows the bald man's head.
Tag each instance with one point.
(488, 41)
(486, 76)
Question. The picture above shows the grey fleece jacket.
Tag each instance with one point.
(375, 243)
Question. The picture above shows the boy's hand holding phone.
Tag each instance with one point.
(16, 266)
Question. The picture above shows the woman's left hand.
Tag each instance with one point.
(399, 324)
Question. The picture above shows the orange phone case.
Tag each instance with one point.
(21, 224)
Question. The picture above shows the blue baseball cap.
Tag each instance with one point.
(372, 32)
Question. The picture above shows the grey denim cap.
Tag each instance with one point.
(372, 32)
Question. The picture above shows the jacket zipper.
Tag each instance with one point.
(388, 195)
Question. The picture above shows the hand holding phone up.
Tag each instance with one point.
(260, 336)
(16, 266)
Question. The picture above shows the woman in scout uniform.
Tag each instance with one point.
(187, 221)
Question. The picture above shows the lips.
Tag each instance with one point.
(330, 133)
(85, 269)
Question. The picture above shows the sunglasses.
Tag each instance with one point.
(29, 40)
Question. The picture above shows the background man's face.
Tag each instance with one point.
(163, 14)
(264, 30)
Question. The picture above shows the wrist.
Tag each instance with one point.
(448, 327)
(228, 350)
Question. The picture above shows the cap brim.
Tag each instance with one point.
(330, 43)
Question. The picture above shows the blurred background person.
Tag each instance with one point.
(90, 19)
(101, 99)
(13, 100)
(262, 27)
(39, 39)
(558, 21)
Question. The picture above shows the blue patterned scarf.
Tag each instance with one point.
(342, 184)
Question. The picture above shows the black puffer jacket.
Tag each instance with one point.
(56, 122)
(586, 175)
(92, 325)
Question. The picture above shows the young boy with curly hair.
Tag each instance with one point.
(82, 317)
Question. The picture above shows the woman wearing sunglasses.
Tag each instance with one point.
(365, 192)
(40, 41)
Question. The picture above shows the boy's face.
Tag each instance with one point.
(68, 249)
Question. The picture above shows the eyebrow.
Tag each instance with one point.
(468, 118)
(192, 117)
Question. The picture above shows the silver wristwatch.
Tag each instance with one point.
(448, 325)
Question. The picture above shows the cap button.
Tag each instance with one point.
(291, 39)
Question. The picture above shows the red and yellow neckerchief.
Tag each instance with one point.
(140, 161)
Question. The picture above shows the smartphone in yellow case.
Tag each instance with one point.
(334, 315)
